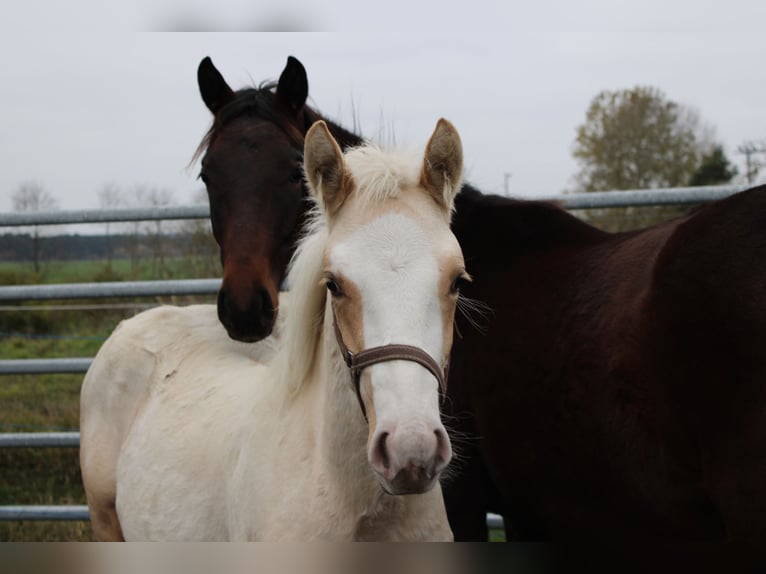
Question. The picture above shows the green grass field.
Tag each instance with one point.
(34, 403)
(101, 270)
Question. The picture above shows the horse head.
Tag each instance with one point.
(253, 174)
(392, 269)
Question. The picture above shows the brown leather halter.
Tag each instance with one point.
(357, 362)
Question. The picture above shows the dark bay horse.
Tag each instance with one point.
(615, 390)
(252, 169)
(619, 392)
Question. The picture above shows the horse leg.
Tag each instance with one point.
(104, 520)
(98, 467)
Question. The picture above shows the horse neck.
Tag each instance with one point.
(342, 427)
(311, 374)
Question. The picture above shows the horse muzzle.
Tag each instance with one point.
(250, 320)
(409, 462)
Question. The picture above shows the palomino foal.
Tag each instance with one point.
(302, 446)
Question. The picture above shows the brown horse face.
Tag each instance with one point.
(254, 182)
(253, 173)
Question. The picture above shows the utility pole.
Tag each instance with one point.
(505, 183)
(752, 165)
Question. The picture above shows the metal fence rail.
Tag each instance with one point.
(104, 215)
(60, 512)
(645, 197)
(209, 286)
(107, 290)
(39, 439)
(629, 197)
(44, 366)
(42, 512)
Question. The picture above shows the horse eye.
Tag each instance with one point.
(460, 281)
(296, 176)
(333, 287)
(203, 176)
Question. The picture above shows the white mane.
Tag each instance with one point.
(377, 175)
(304, 322)
(380, 174)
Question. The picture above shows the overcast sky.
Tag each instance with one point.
(92, 94)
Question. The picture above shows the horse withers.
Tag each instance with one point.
(301, 446)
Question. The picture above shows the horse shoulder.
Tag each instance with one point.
(121, 371)
(184, 447)
(116, 388)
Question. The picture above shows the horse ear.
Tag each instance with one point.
(293, 85)
(443, 164)
(325, 170)
(215, 92)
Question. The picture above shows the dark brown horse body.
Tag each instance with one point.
(620, 389)
(252, 169)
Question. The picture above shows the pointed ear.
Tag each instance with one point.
(443, 164)
(293, 85)
(215, 92)
(325, 170)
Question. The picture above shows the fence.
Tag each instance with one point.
(18, 293)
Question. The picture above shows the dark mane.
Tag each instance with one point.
(261, 102)
(257, 101)
(518, 222)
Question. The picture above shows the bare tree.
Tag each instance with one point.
(135, 198)
(110, 196)
(29, 197)
(200, 249)
(753, 164)
(155, 230)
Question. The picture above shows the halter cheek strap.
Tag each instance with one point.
(357, 362)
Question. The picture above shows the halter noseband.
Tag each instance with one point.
(357, 362)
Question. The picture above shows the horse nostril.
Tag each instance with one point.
(262, 302)
(380, 458)
(223, 304)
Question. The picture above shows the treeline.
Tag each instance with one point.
(21, 247)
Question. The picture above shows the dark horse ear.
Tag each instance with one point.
(293, 86)
(215, 92)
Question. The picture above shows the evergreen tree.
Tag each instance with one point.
(714, 169)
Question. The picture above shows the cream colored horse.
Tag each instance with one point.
(189, 436)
